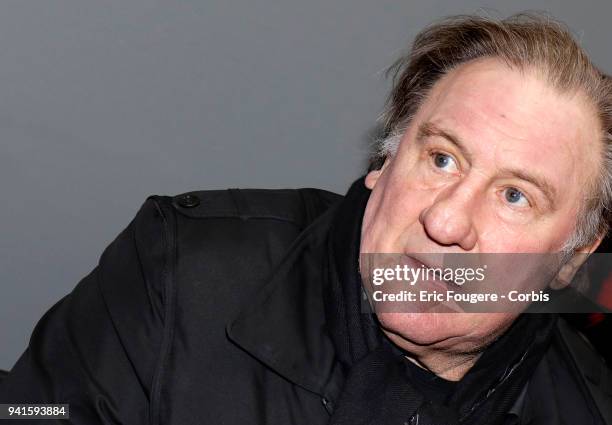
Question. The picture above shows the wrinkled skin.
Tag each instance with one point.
(514, 186)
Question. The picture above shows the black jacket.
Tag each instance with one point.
(207, 309)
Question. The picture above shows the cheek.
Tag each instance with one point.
(560, 231)
(542, 236)
(369, 232)
(388, 216)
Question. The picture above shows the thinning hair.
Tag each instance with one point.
(525, 41)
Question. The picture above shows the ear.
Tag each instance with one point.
(373, 176)
(568, 270)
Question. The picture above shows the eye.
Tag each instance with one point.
(516, 197)
(444, 162)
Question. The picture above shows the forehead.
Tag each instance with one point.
(509, 117)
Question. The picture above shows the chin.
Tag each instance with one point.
(444, 330)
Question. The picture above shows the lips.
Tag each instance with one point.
(418, 262)
(434, 285)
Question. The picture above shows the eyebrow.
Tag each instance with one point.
(429, 129)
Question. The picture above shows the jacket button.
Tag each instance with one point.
(189, 201)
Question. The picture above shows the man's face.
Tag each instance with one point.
(494, 161)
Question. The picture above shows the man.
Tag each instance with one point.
(244, 306)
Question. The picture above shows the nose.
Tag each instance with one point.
(449, 220)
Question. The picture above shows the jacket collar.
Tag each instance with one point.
(284, 327)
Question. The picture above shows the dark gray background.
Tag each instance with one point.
(105, 102)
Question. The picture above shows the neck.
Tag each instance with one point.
(451, 368)
(447, 363)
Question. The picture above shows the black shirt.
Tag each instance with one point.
(432, 387)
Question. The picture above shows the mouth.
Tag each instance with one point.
(440, 285)
(418, 261)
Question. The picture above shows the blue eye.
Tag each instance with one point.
(444, 162)
(515, 196)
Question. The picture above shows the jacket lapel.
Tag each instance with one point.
(284, 327)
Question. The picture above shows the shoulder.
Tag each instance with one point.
(590, 369)
(294, 205)
(572, 380)
(219, 217)
(112, 333)
(199, 222)
(232, 229)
